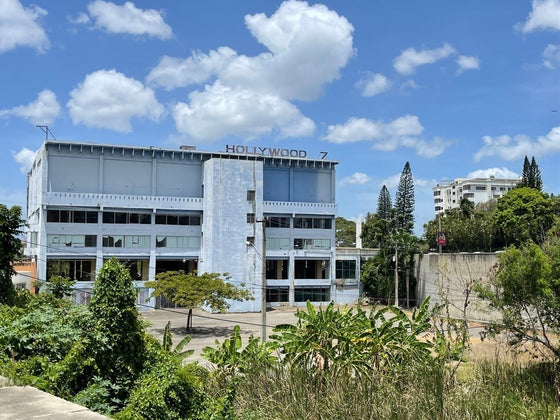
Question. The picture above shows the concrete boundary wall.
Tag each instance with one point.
(448, 275)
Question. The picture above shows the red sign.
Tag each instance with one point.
(441, 238)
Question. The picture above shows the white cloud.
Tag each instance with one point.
(500, 173)
(551, 56)
(220, 110)
(19, 27)
(173, 72)
(467, 63)
(387, 136)
(355, 129)
(374, 84)
(409, 59)
(128, 19)
(308, 46)
(544, 15)
(431, 149)
(357, 178)
(507, 148)
(43, 110)
(25, 158)
(81, 19)
(108, 99)
(249, 95)
(409, 84)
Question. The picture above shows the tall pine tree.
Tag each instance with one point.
(526, 175)
(384, 204)
(536, 175)
(404, 201)
(531, 176)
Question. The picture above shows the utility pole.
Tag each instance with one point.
(439, 230)
(263, 279)
(396, 276)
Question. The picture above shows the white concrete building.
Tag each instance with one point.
(163, 209)
(448, 195)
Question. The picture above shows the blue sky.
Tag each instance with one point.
(456, 88)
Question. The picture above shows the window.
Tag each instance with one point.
(466, 187)
(278, 222)
(345, 269)
(250, 195)
(311, 269)
(313, 294)
(277, 294)
(436, 193)
(250, 217)
(34, 238)
(300, 243)
(123, 218)
(188, 242)
(468, 195)
(277, 269)
(80, 270)
(75, 241)
(128, 241)
(438, 208)
(480, 188)
(71, 216)
(277, 243)
(312, 223)
(178, 219)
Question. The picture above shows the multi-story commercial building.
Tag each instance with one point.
(182, 209)
(448, 195)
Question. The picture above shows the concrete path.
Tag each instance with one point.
(208, 327)
(25, 402)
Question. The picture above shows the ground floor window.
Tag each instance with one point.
(186, 265)
(345, 269)
(311, 269)
(277, 294)
(79, 270)
(138, 269)
(277, 269)
(313, 294)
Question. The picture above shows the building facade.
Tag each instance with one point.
(182, 209)
(448, 195)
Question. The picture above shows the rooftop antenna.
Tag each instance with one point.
(45, 129)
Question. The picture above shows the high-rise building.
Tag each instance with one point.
(182, 209)
(448, 195)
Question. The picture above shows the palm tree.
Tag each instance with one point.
(467, 208)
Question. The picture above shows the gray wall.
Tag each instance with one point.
(449, 274)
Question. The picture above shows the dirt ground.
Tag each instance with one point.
(208, 327)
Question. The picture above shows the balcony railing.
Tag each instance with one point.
(121, 201)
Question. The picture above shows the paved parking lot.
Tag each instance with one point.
(208, 327)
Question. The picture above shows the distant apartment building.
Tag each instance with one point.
(181, 209)
(448, 195)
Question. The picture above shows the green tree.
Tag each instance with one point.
(467, 208)
(531, 175)
(404, 201)
(384, 204)
(11, 225)
(119, 354)
(535, 175)
(345, 232)
(376, 231)
(474, 233)
(526, 290)
(522, 214)
(526, 173)
(195, 291)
